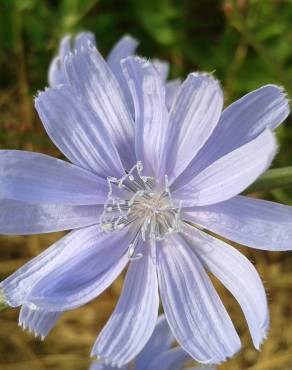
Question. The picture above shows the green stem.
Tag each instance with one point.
(272, 179)
(3, 304)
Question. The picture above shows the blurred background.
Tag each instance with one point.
(246, 43)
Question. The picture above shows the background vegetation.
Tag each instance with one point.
(246, 43)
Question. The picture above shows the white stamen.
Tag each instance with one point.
(152, 211)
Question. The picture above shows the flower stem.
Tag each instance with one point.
(3, 304)
(272, 179)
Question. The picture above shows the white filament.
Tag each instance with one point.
(152, 211)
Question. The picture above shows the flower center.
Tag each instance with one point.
(134, 199)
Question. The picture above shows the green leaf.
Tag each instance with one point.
(272, 179)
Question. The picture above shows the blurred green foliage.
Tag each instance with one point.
(247, 43)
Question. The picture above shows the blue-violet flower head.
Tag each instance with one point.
(142, 188)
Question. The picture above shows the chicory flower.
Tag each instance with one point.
(143, 187)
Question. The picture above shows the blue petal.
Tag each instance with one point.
(125, 47)
(160, 341)
(193, 117)
(92, 264)
(102, 366)
(253, 222)
(95, 84)
(173, 359)
(171, 90)
(162, 68)
(56, 72)
(83, 38)
(22, 218)
(134, 318)
(192, 307)
(238, 275)
(231, 174)
(38, 321)
(18, 285)
(74, 247)
(240, 123)
(77, 131)
(202, 368)
(39, 179)
(151, 116)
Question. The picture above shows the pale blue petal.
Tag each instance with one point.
(253, 222)
(102, 366)
(126, 46)
(56, 73)
(151, 117)
(240, 123)
(83, 38)
(160, 341)
(22, 218)
(192, 119)
(192, 307)
(17, 286)
(77, 131)
(231, 174)
(171, 90)
(173, 359)
(162, 68)
(37, 321)
(88, 270)
(202, 368)
(65, 46)
(171, 87)
(95, 84)
(134, 318)
(37, 178)
(238, 275)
